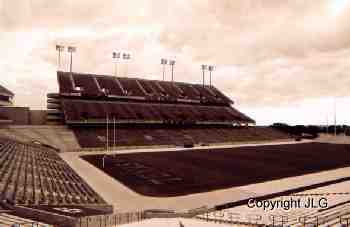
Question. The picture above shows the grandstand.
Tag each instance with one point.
(34, 180)
(89, 99)
(56, 136)
(155, 135)
(148, 112)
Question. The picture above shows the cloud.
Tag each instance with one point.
(267, 52)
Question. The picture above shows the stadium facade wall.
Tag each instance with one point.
(23, 115)
(38, 117)
(18, 115)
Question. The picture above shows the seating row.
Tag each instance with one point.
(34, 175)
(82, 110)
(93, 86)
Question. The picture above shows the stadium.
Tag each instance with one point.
(175, 114)
(112, 151)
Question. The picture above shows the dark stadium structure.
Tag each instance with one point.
(91, 113)
(89, 99)
(6, 96)
(203, 170)
(145, 112)
(36, 183)
(153, 135)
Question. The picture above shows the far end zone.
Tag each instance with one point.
(164, 174)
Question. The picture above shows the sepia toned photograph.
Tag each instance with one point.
(183, 113)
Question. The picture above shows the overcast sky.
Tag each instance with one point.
(278, 60)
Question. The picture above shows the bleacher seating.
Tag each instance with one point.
(88, 84)
(93, 137)
(66, 84)
(147, 101)
(96, 111)
(110, 86)
(169, 112)
(94, 85)
(34, 176)
(131, 87)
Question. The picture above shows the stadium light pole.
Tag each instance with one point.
(172, 63)
(126, 56)
(71, 50)
(163, 61)
(204, 67)
(116, 56)
(59, 48)
(211, 69)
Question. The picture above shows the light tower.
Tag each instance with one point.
(126, 56)
(163, 62)
(210, 68)
(172, 63)
(116, 56)
(71, 50)
(204, 67)
(59, 48)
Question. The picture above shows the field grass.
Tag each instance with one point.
(163, 174)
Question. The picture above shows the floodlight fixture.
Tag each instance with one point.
(126, 56)
(204, 67)
(210, 68)
(71, 50)
(59, 48)
(122, 56)
(172, 63)
(116, 55)
(163, 61)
